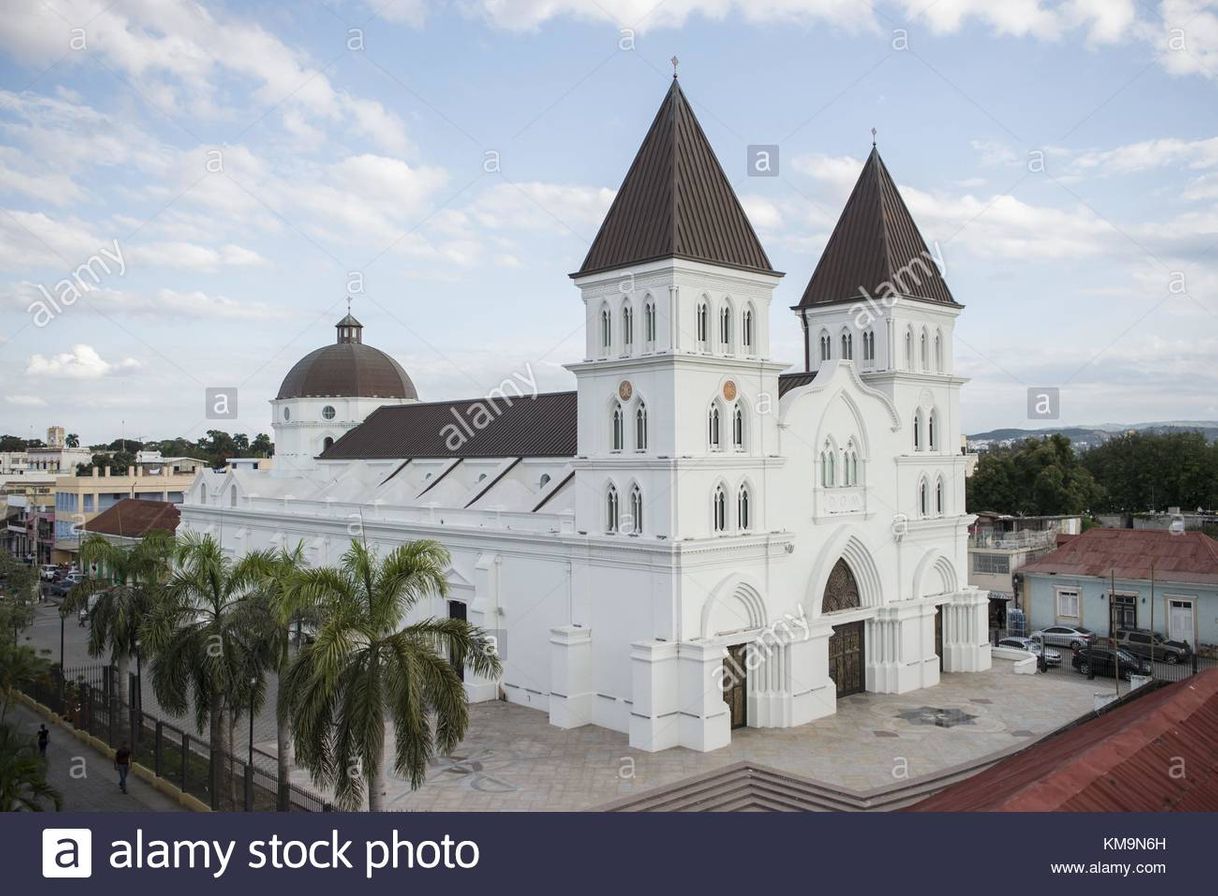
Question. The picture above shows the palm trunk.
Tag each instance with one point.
(283, 747)
(231, 749)
(376, 783)
(122, 671)
(216, 735)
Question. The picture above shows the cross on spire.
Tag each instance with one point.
(674, 62)
(873, 136)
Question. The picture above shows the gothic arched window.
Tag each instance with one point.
(636, 510)
(738, 429)
(611, 509)
(640, 427)
(746, 329)
(743, 510)
(619, 436)
(712, 427)
(719, 509)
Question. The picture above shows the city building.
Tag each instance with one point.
(1130, 578)
(79, 499)
(127, 522)
(692, 540)
(54, 458)
(999, 544)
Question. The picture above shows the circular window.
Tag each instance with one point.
(287, 413)
(328, 412)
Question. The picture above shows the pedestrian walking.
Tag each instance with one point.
(122, 764)
(44, 737)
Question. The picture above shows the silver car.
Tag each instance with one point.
(1052, 657)
(1072, 636)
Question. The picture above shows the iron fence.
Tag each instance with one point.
(88, 699)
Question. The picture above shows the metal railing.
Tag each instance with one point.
(87, 698)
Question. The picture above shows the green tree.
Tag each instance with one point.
(1036, 477)
(19, 666)
(127, 587)
(1153, 471)
(368, 668)
(23, 779)
(279, 610)
(203, 654)
(72, 441)
(262, 446)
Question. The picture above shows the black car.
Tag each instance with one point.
(1141, 642)
(1103, 660)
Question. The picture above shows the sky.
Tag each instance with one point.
(230, 172)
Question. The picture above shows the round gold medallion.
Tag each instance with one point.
(625, 390)
(729, 390)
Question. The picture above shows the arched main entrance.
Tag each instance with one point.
(846, 646)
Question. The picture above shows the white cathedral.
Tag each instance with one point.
(693, 540)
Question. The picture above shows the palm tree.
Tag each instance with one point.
(278, 608)
(129, 584)
(73, 440)
(23, 778)
(367, 667)
(19, 666)
(204, 650)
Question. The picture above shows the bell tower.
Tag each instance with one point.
(676, 377)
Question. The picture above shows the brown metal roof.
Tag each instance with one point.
(1178, 557)
(789, 381)
(347, 369)
(875, 248)
(135, 518)
(675, 202)
(1118, 762)
(541, 426)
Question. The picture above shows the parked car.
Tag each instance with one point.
(1143, 642)
(47, 571)
(1072, 636)
(66, 584)
(1104, 660)
(1052, 657)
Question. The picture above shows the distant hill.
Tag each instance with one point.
(1089, 436)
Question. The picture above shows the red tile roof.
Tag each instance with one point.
(1121, 761)
(1182, 557)
(135, 518)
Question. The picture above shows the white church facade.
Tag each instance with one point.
(693, 540)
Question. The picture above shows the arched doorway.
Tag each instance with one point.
(846, 646)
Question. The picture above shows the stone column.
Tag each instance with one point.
(654, 713)
(571, 693)
(704, 721)
(813, 693)
(966, 644)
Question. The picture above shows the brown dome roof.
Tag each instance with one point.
(347, 369)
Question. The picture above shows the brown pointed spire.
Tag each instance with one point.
(676, 202)
(875, 242)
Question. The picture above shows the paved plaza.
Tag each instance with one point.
(513, 760)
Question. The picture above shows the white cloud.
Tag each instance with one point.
(179, 56)
(1146, 155)
(535, 205)
(81, 363)
(26, 401)
(169, 304)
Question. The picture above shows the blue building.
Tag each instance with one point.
(1074, 585)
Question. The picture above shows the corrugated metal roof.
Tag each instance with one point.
(875, 248)
(1119, 762)
(675, 202)
(789, 381)
(541, 426)
(135, 518)
(1178, 557)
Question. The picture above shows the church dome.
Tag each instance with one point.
(347, 369)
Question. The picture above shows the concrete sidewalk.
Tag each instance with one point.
(86, 778)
